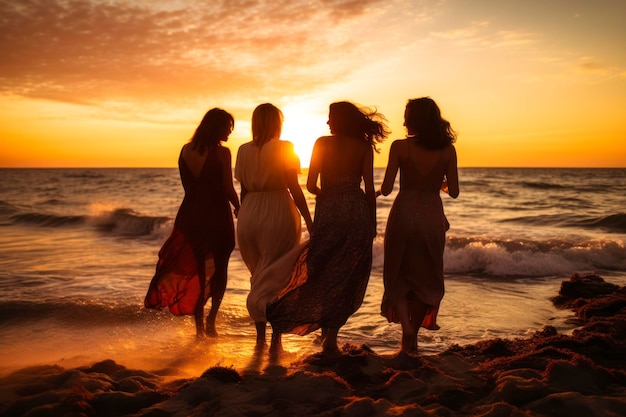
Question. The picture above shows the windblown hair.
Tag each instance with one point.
(215, 127)
(267, 123)
(422, 118)
(359, 122)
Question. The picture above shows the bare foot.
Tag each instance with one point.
(276, 345)
(331, 351)
(210, 327)
(211, 332)
(409, 344)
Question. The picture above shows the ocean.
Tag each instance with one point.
(78, 248)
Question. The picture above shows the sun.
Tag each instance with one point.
(302, 126)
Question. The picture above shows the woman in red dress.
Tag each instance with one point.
(193, 262)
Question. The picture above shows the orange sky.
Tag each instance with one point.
(95, 83)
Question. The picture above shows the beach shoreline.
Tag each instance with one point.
(545, 374)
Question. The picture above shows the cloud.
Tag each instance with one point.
(86, 51)
(480, 34)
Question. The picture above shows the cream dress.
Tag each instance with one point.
(268, 225)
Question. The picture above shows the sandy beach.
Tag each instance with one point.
(546, 374)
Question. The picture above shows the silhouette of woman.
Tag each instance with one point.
(268, 226)
(416, 229)
(193, 261)
(330, 277)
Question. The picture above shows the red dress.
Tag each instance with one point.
(201, 241)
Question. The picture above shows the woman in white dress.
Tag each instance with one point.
(268, 225)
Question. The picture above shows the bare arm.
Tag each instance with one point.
(298, 197)
(244, 191)
(314, 169)
(392, 170)
(367, 173)
(452, 174)
(227, 178)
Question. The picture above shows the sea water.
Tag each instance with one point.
(78, 248)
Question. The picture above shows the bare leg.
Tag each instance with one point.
(418, 312)
(324, 334)
(276, 345)
(218, 287)
(329, 345)
(198, 316)
(260, 335)
(404, 313)
(199, 310)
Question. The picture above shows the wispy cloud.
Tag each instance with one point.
(113, 50)
(481, 34)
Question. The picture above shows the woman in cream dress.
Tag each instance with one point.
(268, 226)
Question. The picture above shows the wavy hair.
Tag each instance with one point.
(359, 122)
(267, 123)
(422, 118)
(215, 127)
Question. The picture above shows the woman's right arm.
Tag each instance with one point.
(392, 170)
(298, 197)
(243, 191)
(314, 168)
(452, 174)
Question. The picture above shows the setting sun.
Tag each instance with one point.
(302, 126)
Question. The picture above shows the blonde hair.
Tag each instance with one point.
(267, 123)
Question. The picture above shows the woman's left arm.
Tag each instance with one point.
(227, 178)
(452, 174)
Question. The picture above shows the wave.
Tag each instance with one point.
(525, 258)
(84, 174)
(70, 313)
(612, 223)
(48, 220)
(119, 222)
(126, 222)
(541, 185)
(7, 208)
(532, 258)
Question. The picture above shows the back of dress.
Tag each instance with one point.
(263, 168)
(422, 170)
(205, 212)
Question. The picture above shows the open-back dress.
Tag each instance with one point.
(200, 243)
(414, 242)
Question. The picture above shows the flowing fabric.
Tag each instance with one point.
(200, 243)
(268, 225)
(330, 276)
(415, 239)
(414, 243)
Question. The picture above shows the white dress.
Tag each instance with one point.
(268, 224)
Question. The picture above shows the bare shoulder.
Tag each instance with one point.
(323, 140)
(223, 152)
(188, 152)
(398, 143)
(286, 144)
(450, 150)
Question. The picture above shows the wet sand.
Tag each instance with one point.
(546, 374)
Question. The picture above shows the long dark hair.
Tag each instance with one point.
(215, 127)
(422, 118)
(358, 122)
